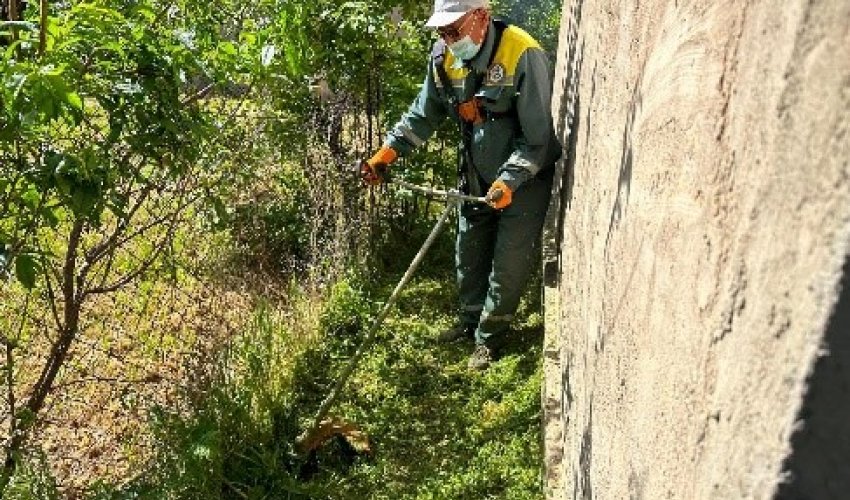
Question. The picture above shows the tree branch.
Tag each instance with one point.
(198, 95)
(58, 352)
(141, 269)
(152, 378)
(42, 32)
(69, 328)
(109, 244)
(51, 294)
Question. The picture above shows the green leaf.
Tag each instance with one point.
(85, 196)
(31, 197)
(146, 12)
(24, 25)
(118, 205)
(26, 418)
(51, 216)
(25, 270)
(73, 99)
(267, 55)
(228, 48)
(17, 83)
(51, 70)
(247, 39)
(220, 212)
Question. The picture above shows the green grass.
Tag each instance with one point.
(438, 431)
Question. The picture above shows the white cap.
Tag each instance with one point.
(448, 11)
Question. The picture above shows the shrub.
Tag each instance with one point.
(346, 310)
(270, 224)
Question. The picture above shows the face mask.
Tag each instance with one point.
(465, 48)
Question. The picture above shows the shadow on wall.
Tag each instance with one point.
(566, 126)
(624, 180)
(819, 465)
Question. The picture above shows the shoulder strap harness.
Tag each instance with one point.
(465, 113)
(469, 111)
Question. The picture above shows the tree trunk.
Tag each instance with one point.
(73, 301)
(14, 10)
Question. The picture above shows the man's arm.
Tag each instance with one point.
(533, 107)
(422, 118)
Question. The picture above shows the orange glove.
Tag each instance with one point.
(372, 171)
(500, 195)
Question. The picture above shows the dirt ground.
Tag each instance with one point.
(704, 228)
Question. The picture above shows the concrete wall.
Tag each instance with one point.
(695, 252)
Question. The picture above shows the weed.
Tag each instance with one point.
(32, 479)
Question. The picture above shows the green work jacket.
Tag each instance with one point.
(516, 141)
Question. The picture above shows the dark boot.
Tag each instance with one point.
(481, 358)
(456, 333)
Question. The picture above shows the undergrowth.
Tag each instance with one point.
(437, 431)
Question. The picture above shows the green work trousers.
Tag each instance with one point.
(494, 254)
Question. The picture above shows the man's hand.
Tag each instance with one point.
(373, 170)
(372, 174)
(499, 196)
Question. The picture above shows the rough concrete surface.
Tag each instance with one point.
(697, 337)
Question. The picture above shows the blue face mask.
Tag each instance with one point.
(465, 48)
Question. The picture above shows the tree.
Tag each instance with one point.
(119, 120)
(104, 149)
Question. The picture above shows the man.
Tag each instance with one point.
(494, 80)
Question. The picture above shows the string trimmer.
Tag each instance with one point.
(322, 428)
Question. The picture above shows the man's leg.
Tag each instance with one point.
(516, 250)
(474, 248)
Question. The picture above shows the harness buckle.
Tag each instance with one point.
(471, 111)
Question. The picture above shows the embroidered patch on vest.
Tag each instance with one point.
(496, 73)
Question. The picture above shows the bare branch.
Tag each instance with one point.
(141, 269)
(42, 31)
(105, 269)
(153, 378)
(172, 225)
(97, 252)
(58, 351)
(159, 221)
(10, 370)
(198, 95)
(70, 323)
(51, 295)
(239, 106)
(10, 388)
